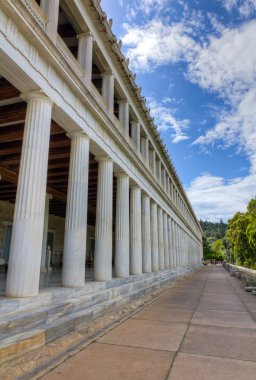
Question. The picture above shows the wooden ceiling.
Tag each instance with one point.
(12, 118)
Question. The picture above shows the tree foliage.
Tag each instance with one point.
(241, 237)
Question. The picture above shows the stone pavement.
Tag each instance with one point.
(202, 329)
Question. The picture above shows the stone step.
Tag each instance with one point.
(28, 329)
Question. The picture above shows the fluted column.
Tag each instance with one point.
(135, 231)
(108, 90)
(144, 148)
(51, 10)
(154, 237)
(73, 272)
(160, 238)
(123, 114)
(45, 233)
(103, 230)
(122, 227)
(170, 238)
(146, 234)
(175, 252)
(166, 242)
(28, 221)
(85, 51)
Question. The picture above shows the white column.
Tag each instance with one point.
(85, 51)
(122, 227)
(28, 221)
(136, 134)
(51, 10)
(135, 231)
(170, 239)
(108, 90)
(103, 230)
(74, 254)
(175, 244)
(160, 238)
(154, 237)
(166, 242)
(144, 148)
(123, 114)
(45, 233)
(146, 234)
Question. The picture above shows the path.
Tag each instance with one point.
(202, 329)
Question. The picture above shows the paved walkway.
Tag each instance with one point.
(202, 329)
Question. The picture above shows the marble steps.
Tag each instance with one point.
(26, 330)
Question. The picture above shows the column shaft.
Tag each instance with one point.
(166, 242)
(154, 237)
(160, 239)
(103, 231)
(51, 10)
(108, 90)
(45, 233)
(135, 231)
(73, 273)
(122, 227)
(28, 221)
(146, 234)
(123, 114)
(170, 239)
(85, 51)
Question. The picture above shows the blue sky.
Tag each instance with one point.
(196, 63)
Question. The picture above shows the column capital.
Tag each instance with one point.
(36, 94)
(77, 134)
(85, 34)
(103, 157)
(107, 73)
(123, 101)
(120, 174)
(135, 186)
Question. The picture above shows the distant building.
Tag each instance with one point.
(85, 177)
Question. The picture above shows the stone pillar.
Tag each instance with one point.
(123, 114)
(175, 244)
(146, 234)
(103, 230)
(45, 233)
(108, 90)
(166, 242)
(74, 254)
(144, 148)
(85, 52)
(154, 237)
(160, 238)
(51, 10)
(136, 134)
(170, 240)
(122, 227)
(135, 231)
(28, 221)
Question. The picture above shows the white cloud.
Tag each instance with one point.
(244, 7)
(213, 198)
(166, 121)
(156, 44)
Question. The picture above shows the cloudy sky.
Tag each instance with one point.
(196, 63)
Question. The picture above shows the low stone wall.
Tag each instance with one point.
(247, 276)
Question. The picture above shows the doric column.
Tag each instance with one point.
(122, 227)
(146, 234)
(123, 114)
(175, 242)
(170, 240)
(135, 231)
(108, 90)
(166, 242)
(154, 237)
(73, 272)
(160, 238)
(28, 221)
(136, 134)
(103, 230)
(51, 10)
(45, 233)
(85, 51)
